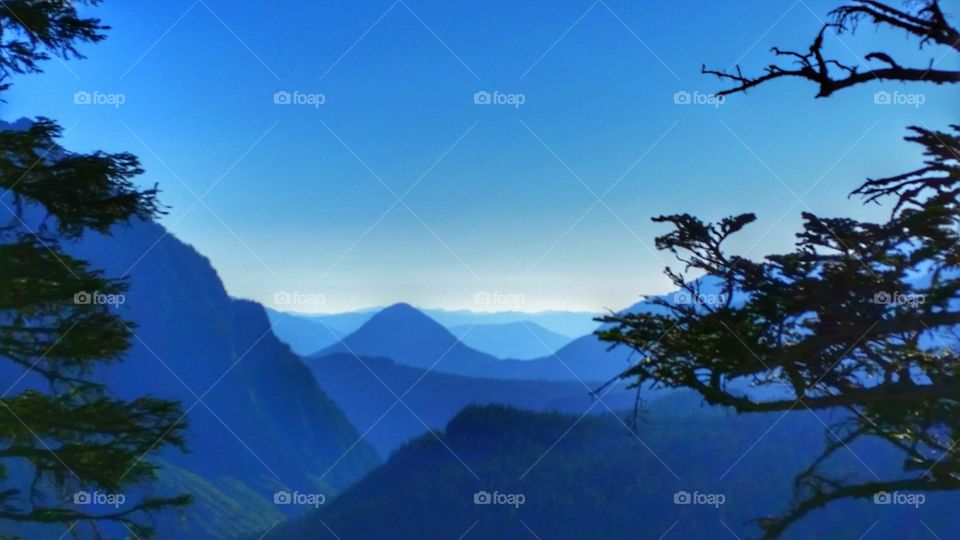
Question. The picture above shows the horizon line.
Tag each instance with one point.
(424, 308)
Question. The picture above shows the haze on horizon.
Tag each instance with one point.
(479, 308)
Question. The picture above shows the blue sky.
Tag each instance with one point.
(501, 202)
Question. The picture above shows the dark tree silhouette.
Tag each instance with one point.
(35, 29)
(928, 24)
(859, 317)
(68, 432)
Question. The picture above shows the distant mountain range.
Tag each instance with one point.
(307, 335)
(261, 419)
(367, 389)
(520, 340)
(594, 478)
(502, 334)
(408, 336)
(565, 323)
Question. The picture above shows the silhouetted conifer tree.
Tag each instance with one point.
(860, 316)
(71, 434)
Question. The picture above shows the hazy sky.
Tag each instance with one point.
(543, 204)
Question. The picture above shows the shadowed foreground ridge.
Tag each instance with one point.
(424, 491)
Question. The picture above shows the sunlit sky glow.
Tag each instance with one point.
(398, 187)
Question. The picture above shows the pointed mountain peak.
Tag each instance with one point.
(403, 313)
(404, 320)
(400, 307)
(406, 335)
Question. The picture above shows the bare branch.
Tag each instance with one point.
(928, 25)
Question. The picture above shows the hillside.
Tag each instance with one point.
(305, 336)
(366, 389)
(262, 423)
(503, 335)
(593, 479)
(521, 340)
(408, 336)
